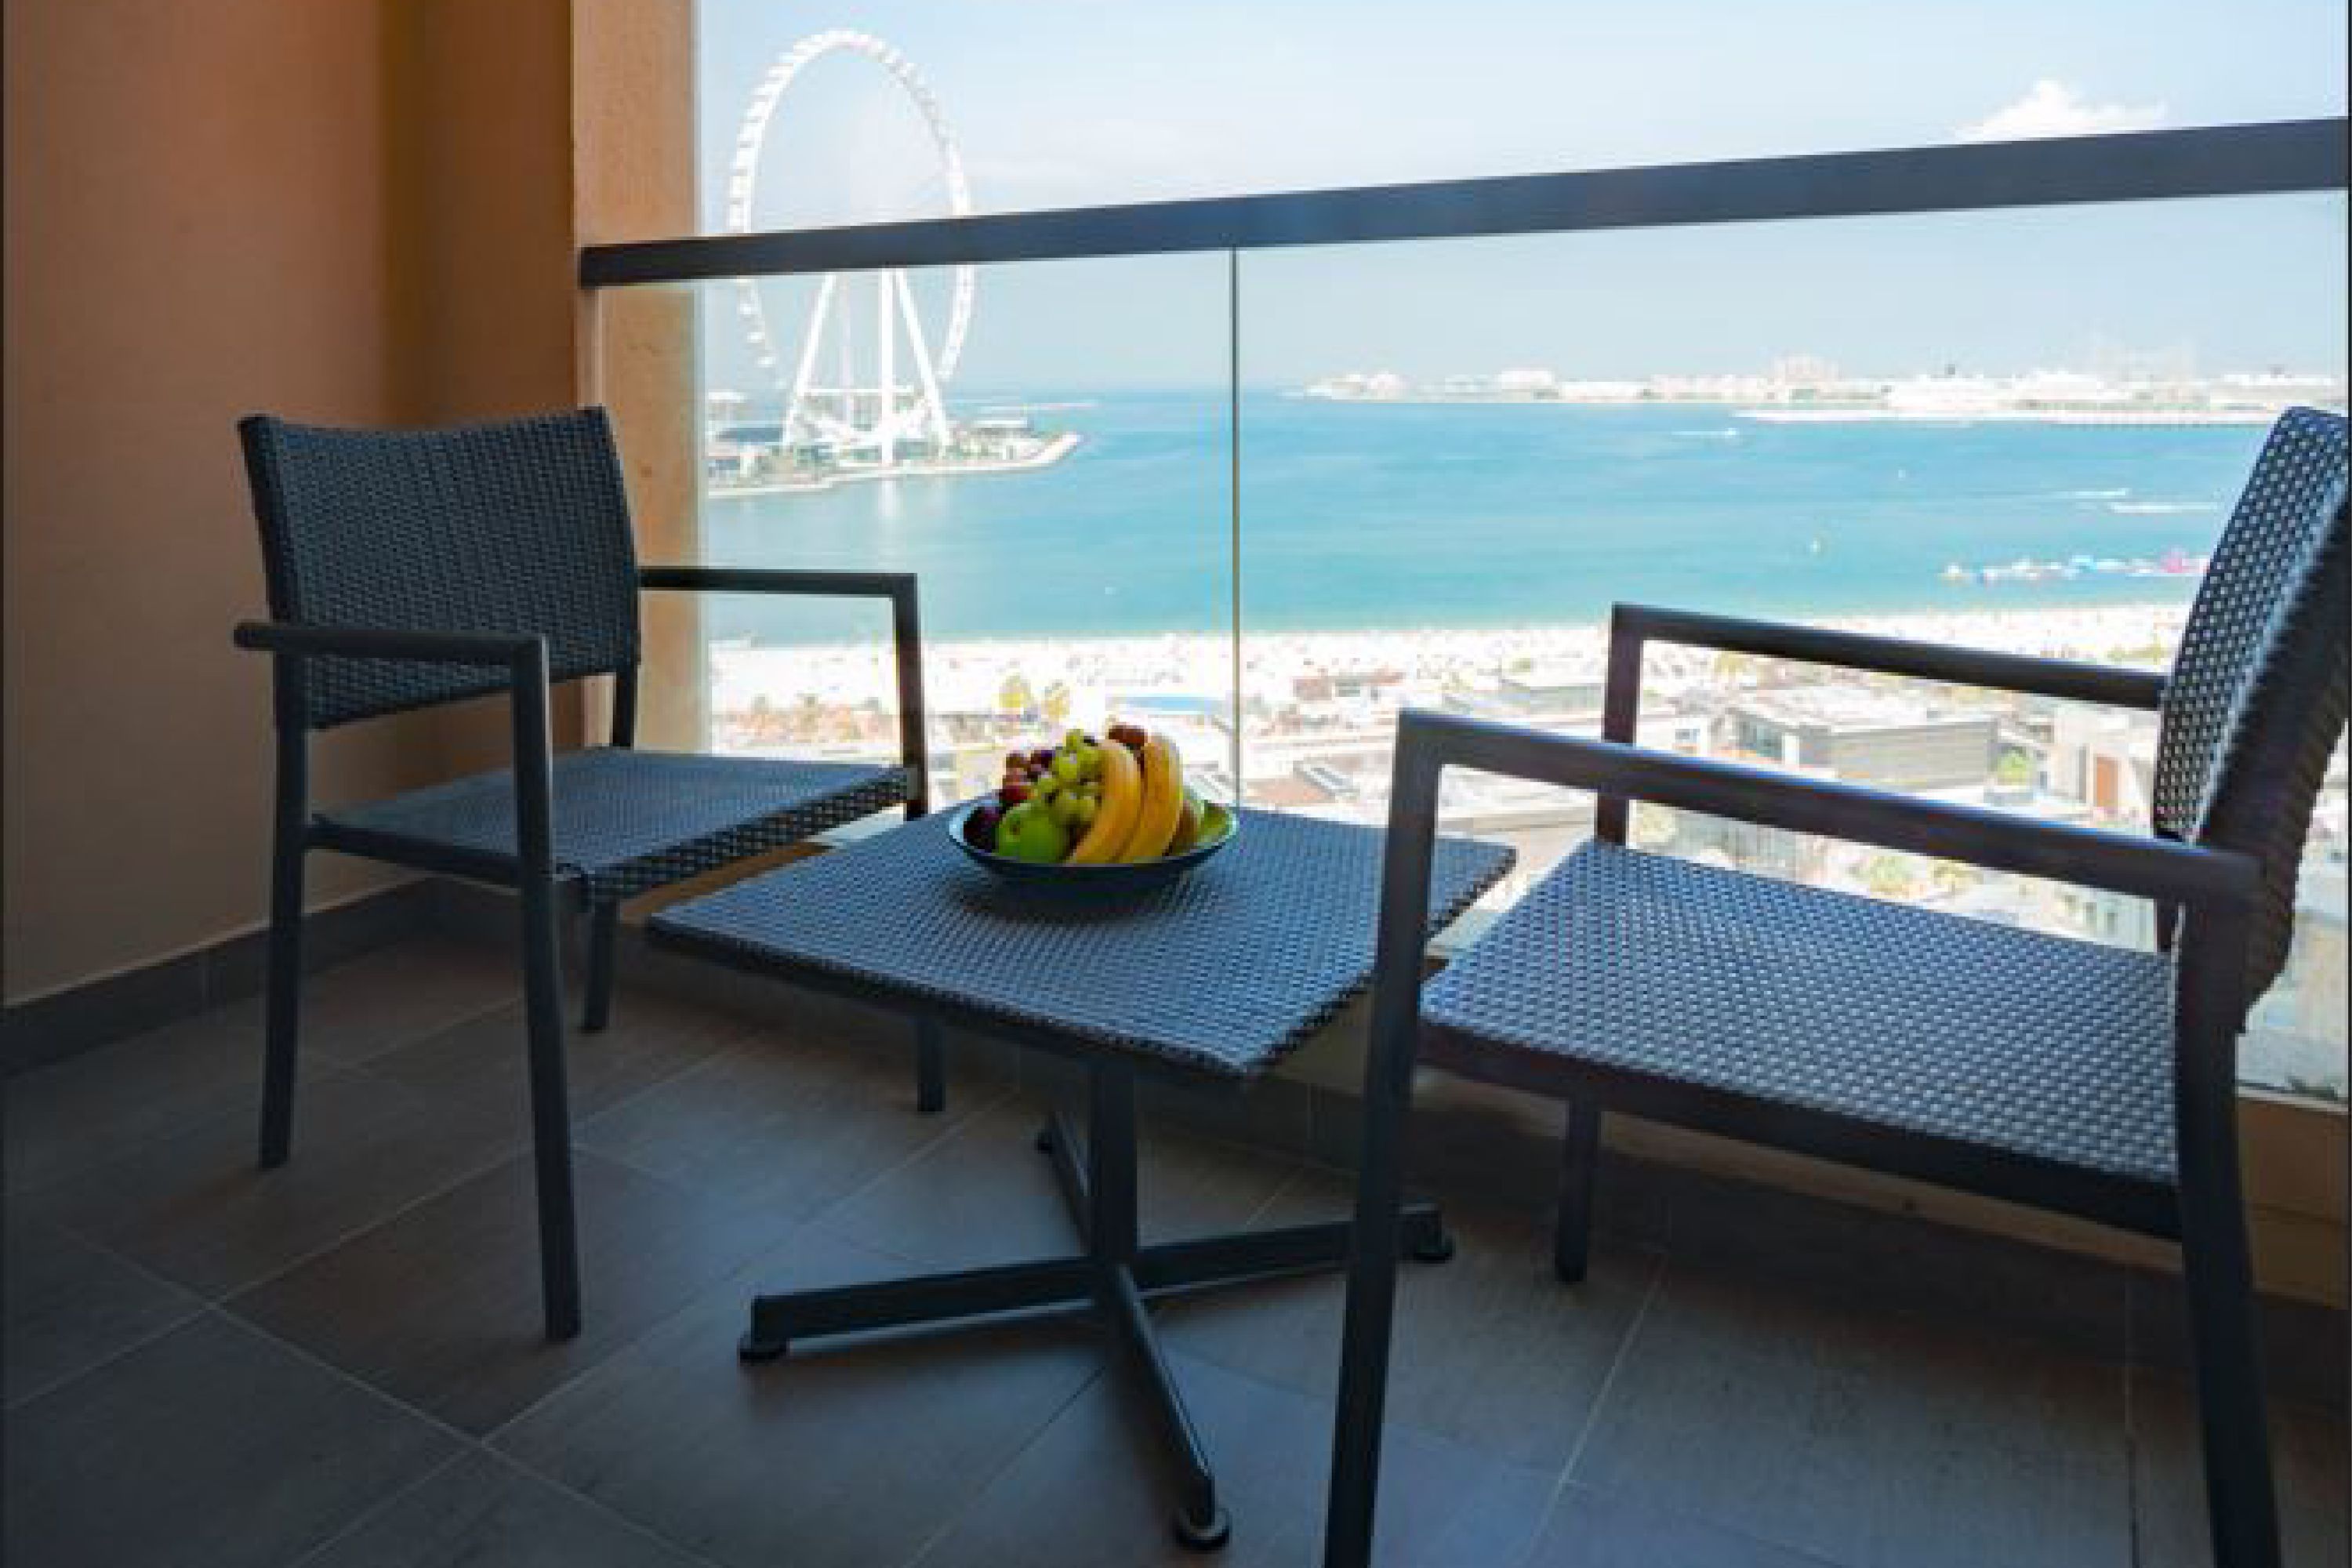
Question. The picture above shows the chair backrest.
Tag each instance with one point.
(517, 526)
(2255, 703)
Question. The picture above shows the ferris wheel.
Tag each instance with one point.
(874, 415)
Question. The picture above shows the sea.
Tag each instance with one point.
(1358, 516)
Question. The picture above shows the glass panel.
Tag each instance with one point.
(2010, 431)
(1064, 106)
(1063, 499)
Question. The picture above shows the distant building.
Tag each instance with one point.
(1863, 737)
(1557, 687)
(2105, 758)
(1804, 373)
(1527, 382)
(2295, 1038)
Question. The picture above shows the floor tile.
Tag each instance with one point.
(2308, 1456)
(1462, 1141)
(1097, 1487)
(482, 1512)
(1600, 1529)
(483, 1063)
(782, 1123)
(71, 1306)
(1490, 1349)
(843, 1456)
(1861, 1435)
(102, 1104)
(1898, 1262)
(353, 1011)
(441, 1305)
(1748, 1377)
(197, 1210)
(210, 1447)
(983, 1194)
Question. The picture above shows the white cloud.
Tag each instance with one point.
(2051, 108)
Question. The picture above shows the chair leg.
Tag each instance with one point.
(1364, 1335)
(551, 1115)
(1572, 1240)
(283, 1018)
(930, 1067)
(2240, 1504)
(604, 932)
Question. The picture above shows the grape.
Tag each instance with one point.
(1065, 807)
(1047, 786)
(1087, 808)
(1069, 767)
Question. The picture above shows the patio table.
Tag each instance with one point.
(1212, 979)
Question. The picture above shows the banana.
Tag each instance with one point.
(1122, 799)
(1188, 825)
(1163, 801)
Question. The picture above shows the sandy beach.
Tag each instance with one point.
(1100, 673)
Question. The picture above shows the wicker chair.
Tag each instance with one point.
(2090, 1080)
(412, 568)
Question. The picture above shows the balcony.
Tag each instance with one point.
(1267, 471)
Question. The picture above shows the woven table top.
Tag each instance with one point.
(1223, 972)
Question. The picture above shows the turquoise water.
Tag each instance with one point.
(1357, 515)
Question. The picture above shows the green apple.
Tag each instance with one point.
(1030, 833)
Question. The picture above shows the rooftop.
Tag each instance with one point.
(1844, 708)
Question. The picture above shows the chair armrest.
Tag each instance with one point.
(523, 653)
(1632, 627)
(2189, 874)
(905, 636)
(763, 579)
(385, 642)
(2111, 685)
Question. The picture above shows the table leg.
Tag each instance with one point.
(1200, 1522)
(1250, 1255)
(777, 1320)
(1060, 1143)
(1114, 1275)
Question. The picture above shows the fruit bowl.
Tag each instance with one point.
(1115, 881)
(1112, 817)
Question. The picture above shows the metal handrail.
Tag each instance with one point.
(2269, 159)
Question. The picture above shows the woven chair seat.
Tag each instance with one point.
(627, 821)
(1628, 966)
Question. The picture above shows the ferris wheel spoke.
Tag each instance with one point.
(854, 417)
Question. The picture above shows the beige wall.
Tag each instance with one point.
(342, 210)
(633, 173)
(197, 228)
(485, 304)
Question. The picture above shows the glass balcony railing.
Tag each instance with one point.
(1262, 499)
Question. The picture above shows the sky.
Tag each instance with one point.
(1072, 103)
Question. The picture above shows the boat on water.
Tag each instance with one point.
(2027, 569)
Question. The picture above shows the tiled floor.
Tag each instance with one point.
(337, 1364)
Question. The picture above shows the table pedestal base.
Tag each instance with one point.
(1113, 1277)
